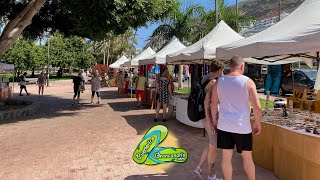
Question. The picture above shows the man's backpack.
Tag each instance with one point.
(196, 110)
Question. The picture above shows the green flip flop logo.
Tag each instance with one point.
(148, 153)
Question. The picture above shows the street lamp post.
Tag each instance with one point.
(216, 9)
(280, 4)
(48, 68)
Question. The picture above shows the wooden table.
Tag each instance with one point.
(289, 154)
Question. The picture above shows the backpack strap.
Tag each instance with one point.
(206, 83)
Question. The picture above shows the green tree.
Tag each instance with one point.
(84, 18)
(25, 55)
(114, 46)
(236, 20)
(70, 52)
(181, 24)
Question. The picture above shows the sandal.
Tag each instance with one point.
(214, 178)
(198, 171)
(155, 119)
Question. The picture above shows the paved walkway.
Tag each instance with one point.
(92, 141)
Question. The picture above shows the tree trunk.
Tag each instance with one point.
(32, 74)
(15, 27)
(104, 52)
(108, 52)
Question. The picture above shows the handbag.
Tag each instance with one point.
(82, 88)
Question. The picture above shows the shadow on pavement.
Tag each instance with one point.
(124, 106)
(50, 107)
(193, 141)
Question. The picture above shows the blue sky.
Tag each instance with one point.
(143, 33)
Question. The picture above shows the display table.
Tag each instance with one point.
(6, 92)
(181, 104)
(291, 154)
(150, 97)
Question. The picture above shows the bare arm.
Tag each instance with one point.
(214, 104)
(207, 100)
(255, 103)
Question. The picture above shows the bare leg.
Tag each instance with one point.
(20, 91)
(203, 157)
(92, 97)
(248, 164)
(39, 89)
(42, 89)
(164, 110)
(158, 109)
(212, 154)
(227, 164)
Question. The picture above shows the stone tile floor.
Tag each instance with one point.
(91, 142)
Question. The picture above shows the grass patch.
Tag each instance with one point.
(263, 104)
(185, 90)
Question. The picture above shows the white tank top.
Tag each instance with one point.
(234, 106)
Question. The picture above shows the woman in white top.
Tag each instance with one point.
(95, 86)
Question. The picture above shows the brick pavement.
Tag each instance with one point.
(92, 141)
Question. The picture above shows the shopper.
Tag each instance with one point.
(77, 82)
(41, 82)
(163, 94)
(95, 86)
(23, 83)
(140, 87)
(209, 153)
(120, 83)
(234, 93)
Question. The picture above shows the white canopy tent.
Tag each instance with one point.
(205, 48)
(160, 57)
(294, 38)
(119, 62)
(135, 61)
(8, 67)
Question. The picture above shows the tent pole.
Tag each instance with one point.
(13, 82)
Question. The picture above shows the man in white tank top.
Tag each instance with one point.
(233, 94)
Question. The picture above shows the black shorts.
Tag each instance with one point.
(227, 140)
(98, 93)
(23, 86)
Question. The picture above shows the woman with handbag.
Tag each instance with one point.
(163, 94)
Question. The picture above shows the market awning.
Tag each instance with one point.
(119, 62)
(173, 45)
(205, 49)
(135, 61)
(297, 37)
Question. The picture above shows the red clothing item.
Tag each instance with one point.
(126, 87)
(140, 93)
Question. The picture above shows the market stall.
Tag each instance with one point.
(288, 146)
(134, 63)
(6, 90)
(202, 52)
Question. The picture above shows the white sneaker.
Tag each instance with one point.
(214, 178)
(198, 171)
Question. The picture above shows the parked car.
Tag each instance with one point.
(302, 79)
(279, 103)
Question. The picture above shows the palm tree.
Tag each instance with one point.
(114, 46)
(180, 24)
(233, 17)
